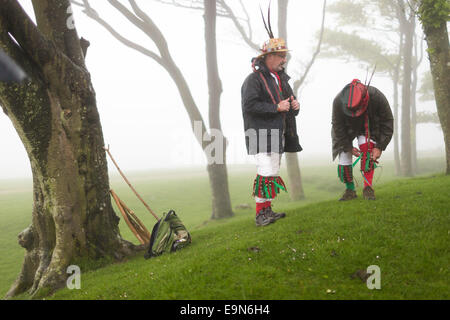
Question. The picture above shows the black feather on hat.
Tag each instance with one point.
(273, 44)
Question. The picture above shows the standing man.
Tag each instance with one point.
(269, 108)
(361, 112)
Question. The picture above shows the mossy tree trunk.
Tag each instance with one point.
(55, 115)
(434, 16)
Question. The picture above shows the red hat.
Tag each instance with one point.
(355, 98)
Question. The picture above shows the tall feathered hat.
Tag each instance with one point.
(273, 44)
(355, 97)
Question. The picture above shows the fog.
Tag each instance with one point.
(143, 117)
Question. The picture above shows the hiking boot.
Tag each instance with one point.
(348, 195)
(274, 215)
(368, 193)
(262, 219)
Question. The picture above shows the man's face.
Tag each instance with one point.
(276, 61)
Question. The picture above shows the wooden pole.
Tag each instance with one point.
(130, 225)
(129, 184)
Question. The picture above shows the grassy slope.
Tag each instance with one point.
(315, 249)
(15, 216)
(227, 241)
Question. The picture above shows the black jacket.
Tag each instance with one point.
(345, 129)
(262, 122)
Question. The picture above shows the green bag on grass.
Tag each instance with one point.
(168, 235)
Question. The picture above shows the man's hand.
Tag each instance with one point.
(284, 105)
(376, 154)
(356, 152)
(295, 104)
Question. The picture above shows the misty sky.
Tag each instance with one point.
(142, 115)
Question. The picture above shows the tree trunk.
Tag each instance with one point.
(218, 174)
(406, 96)
(282, 19)
(414, 119)
(438, 53)
(395, 107)
(221, 202)
(417, 61)
(395, 82)
(293, 168)
(295, 178)
(56, 117)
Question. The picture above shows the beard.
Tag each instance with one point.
(281, 67)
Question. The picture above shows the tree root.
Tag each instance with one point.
(41, 275)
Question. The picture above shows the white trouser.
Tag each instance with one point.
(267, 165)
(345, 158)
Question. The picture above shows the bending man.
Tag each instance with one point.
(361, 112)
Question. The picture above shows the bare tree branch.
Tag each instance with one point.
(77, 3)
(223, 10)
(232, 16)
(249, 26)
(146, 25)
(192, 4)
(91, 13)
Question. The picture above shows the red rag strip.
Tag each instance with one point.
(369, 177)
(365, 147)
(279, 80)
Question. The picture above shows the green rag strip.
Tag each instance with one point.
(279, 186)
(357, 160)
(265, 190)
(367, 162)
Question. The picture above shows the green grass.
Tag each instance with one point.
(15, 216)
(314, 249)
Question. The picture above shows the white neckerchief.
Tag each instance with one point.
(275, 77)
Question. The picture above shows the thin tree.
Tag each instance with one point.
(417, 60)
(217, 171)
(221, 204)
(407, 19)
(55, 115)
(292, 162)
